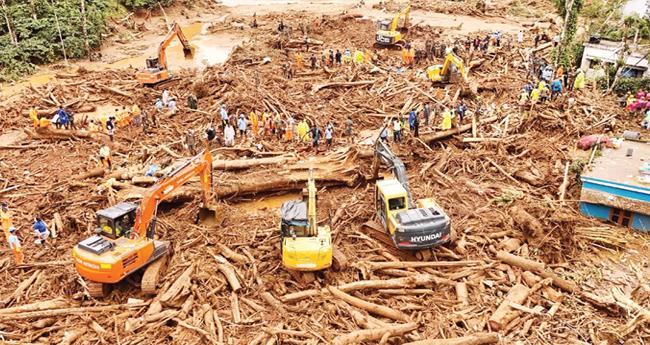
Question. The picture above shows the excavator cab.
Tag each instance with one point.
(116, 221)
(153, 63)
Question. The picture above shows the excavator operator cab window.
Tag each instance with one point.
(294, 229)
(116, 221)
(152, 63)
(383, 25)
(396, 203)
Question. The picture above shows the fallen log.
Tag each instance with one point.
(228, 272)
(97, 172)
(369, 307)
(419, 264)
(357, 337)
(396, 283)
(318, 87)
(114, 90)
(539, 268)
(428, 138)
(179, 288)
(57, 303)
(474, 339)
(239, 164)
(505, 312)
(69, 311)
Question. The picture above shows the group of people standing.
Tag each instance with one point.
(265, 125)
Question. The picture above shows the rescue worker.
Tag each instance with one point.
(579, 82)
(14, 244)
(312, 61)
(288, 133)
(383, 135)
(446, 120)
(416, 126)
(427, 114)
(36, 122)
(523, 98)
(348, 128)
(190, 142)
(358, 57)
(534, 97)
(367, 56)
(165, 97)
(556, 88)
(229, 135)
(303, 130)
(397, 131)
(254, 120)
(298, 60)
(110, 127)
(347, 56)
(338, 57)
(224, 115)
(242, 125)
(172, 106)
(329, 131)
(159, 105)
(277, 120)
(192, 102)
(316, 133)
(5, 219)
(92, 127)
(105, 157)
(41, 232)
(136, 112)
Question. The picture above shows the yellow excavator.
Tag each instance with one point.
(388, 34)
(411, 226)
(444, 74)
(305, 245)
(157, 70)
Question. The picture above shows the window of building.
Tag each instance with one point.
(621, 217)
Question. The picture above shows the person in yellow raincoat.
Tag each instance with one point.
(36, 122)
(254, 123)
(135, 111)
(358, 57)
(446, 120)
(405, 57)
(579, 83)
(541, 85)
(92, 127)
(5, 219)
(411, 56)
(368, 57)
(303, 130)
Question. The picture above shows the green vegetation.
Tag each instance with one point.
(605, 18)
(34, 32)
(38, 30)
(135, 4)
(566, 52)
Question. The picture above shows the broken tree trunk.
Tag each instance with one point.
(527, 223)
(445, 134)
(68, 311)
(239, 164)
(539, 268)
(228, 272)
(179, 288)
(318, 87)
(369, 307)
(357, 337)
(505, 313)
(474, 339)
(97, 172)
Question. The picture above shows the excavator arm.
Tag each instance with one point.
(174, 32)
(384, 154)
(406, 12)
(200, 165)
(311, 205)
(456, 61)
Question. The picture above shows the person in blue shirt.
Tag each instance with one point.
(41, 231)
(556, 88)
(412, 120)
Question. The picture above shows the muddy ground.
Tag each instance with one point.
(591, 287)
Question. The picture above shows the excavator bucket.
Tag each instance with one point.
(208, 215)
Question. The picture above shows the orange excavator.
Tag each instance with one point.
(156, 71)
(125, 242)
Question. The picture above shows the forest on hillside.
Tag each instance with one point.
(34, 32)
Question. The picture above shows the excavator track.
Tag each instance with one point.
(97, 290)
(376, 231)
(152, 274)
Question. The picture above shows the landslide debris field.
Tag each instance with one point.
(525, 266)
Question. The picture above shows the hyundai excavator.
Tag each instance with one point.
(124, 240)
(388, 34)
(443, 73)
(411, 226)
(156, 71)
(305, 245)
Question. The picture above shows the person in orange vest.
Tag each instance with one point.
(5, 219)
(288, 134)
(298, 58)
(411, 54)
(14, 244)
(405, 58)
